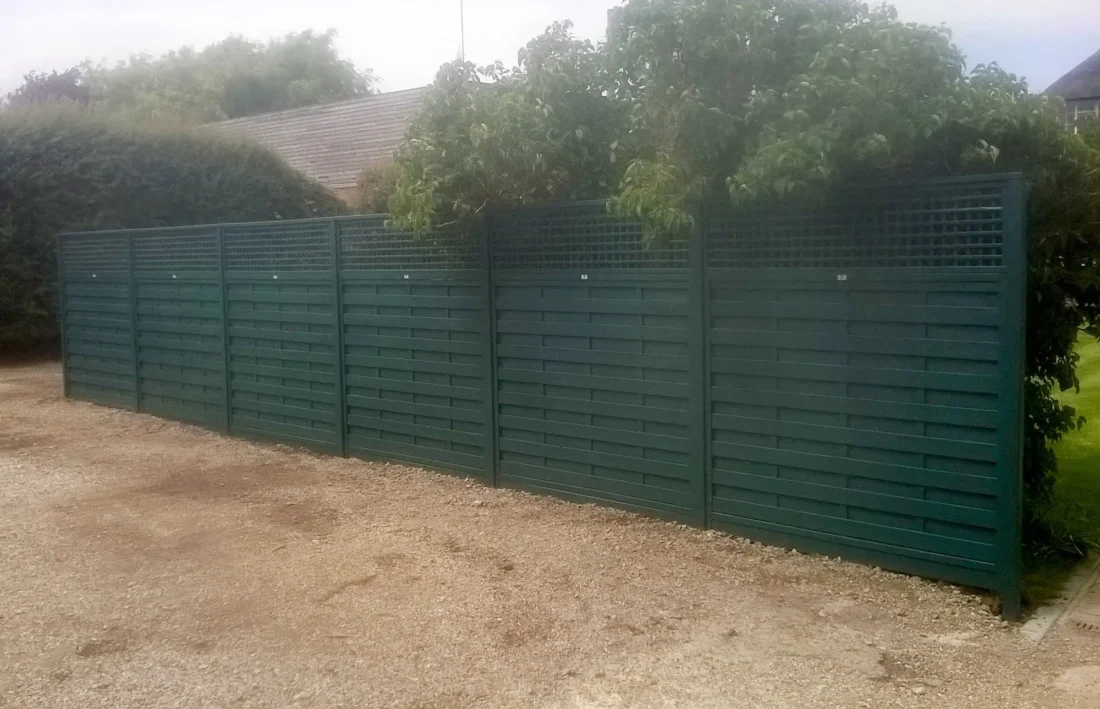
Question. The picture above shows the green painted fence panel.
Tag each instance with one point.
(178, 294)
(97, 316)
(860, 382)
(282, 325)
(843, 379)
(416, 347)
(593, 361)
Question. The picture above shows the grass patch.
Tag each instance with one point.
(1074, 512)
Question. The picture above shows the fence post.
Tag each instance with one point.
(485, 233)
(699, 358)
(1014, 206)
(61, 318)
(133, 320)
(223, 287)
(338, 301)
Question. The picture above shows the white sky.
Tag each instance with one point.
(405, 41)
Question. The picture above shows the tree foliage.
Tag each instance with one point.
(61, 171)
(492, 135)
(229, 79)
(40, 88)
(749, 100)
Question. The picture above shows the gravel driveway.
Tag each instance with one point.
(145, 563)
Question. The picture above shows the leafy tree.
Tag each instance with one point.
(229, 79)
(41, 88)
(749, 100)
(493, 135)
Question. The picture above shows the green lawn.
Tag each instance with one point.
(1075, 506)
(1077, 492)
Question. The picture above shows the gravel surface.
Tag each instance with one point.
(145, 563)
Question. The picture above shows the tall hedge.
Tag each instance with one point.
(61, 170)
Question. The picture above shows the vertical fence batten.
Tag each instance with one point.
(224, 301)
(1011, 439)
(844, 379)
(338, 298)
(699, 367)
(59, 250)
(131, 281)
(489, 322)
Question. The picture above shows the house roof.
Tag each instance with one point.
(333, 142)
(1083, 81)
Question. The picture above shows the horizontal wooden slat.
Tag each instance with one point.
(466, 438)
(184, 359)
(101, 395)
(241, 315)
(597, 433)
(286, 432)
(360, 443)
(237, 385)
(147, 340)
(77, 334)
(914, 347)
(237, 294)
(594, 485)
(857, 437)
(619, 306)
(597, 458)
(413, 365)
(120, 367)
(179, 311)
(655, 414)
(212, 328)
(151, 385)
(604, 357)
(89, 348)
(588, 381)
(122, 323)
(953, 568)
(916, 379)
(872, 470)
(265, 408)
(313, 338)
(961, 549)
(76, 307)
(892, 504)
(453, 302)
(939, 315)
(428, 344)
(98, 289)
(454, 413)
(647, 333)
(284, 372)
(85, 375)
(465, 393)
(199, 414)
(285, 355)
(415, 322)
(897, 410)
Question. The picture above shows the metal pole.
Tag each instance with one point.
(462, 25)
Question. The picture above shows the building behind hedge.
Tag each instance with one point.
(333, 143)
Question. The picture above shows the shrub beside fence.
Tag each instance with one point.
(845, 379)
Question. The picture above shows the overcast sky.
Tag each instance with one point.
(405, 41)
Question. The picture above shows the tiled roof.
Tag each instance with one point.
(334, 142)
(1081, 82)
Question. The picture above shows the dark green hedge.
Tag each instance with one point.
(63, 171)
